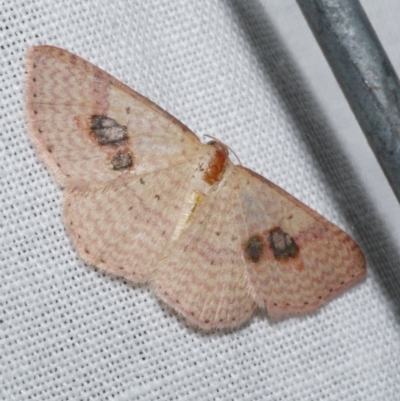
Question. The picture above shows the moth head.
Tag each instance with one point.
(222, 147)
(218, 145)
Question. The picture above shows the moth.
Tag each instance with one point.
(146, 200)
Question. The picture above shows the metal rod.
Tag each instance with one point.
(364, 73)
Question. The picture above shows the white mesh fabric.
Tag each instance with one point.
(250, 74)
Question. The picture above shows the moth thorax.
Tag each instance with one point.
(214, 169)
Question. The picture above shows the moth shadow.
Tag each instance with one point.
(114, 276)
(314, 129)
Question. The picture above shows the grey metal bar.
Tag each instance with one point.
(364, 73)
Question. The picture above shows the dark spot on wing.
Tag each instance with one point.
(254, 248)
(122, 161)
(142, 181)
(282, 244)
(107, 131)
